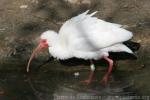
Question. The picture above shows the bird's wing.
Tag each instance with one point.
(85, 32)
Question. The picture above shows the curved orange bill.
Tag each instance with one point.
(35, 51)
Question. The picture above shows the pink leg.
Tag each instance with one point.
(89, 80)
(106, 76)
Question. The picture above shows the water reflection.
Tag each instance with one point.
(16, 84)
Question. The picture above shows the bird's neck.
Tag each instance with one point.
(53, 39)
(58, 47)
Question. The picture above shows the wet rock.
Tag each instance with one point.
(79, 2)
(24, 6)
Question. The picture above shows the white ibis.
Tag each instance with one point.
(86, 37)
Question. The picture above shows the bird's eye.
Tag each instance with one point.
(43, 41)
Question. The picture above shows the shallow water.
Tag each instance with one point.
(60, 84)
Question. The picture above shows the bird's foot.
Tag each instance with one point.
(104, 81)
(88, 81)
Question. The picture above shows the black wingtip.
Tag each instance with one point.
(122, 55)
(134, 46)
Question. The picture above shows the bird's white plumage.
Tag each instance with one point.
(87, 37)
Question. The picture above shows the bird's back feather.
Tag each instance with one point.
(87, 33)
(87, 37)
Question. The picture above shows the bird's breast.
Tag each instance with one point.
(60, 52)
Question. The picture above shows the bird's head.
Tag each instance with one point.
(46, 40)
